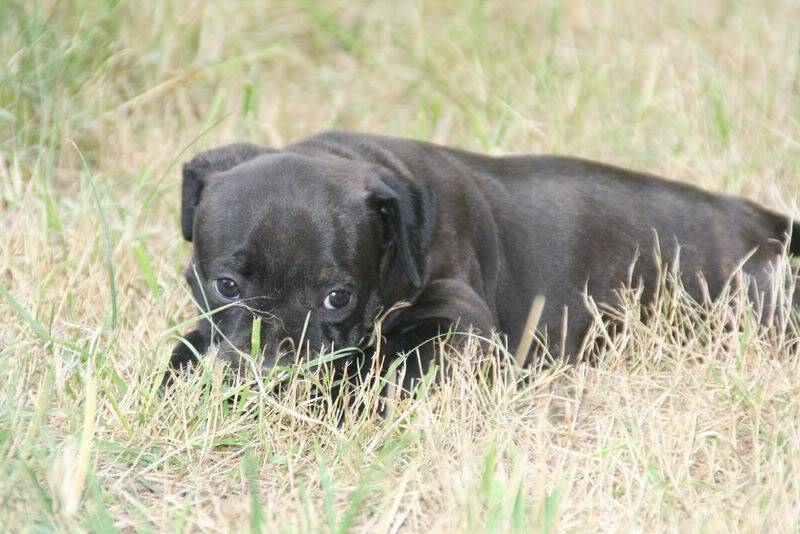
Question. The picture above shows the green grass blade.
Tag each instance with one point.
(143, 261)
(255, 339)
(250, 466)
(112, 284)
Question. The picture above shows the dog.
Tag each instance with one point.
(321, 238)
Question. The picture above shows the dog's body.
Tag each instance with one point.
(463, 238)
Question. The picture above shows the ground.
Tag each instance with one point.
(689, 422)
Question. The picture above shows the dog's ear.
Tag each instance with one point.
(406, 210)
(207, 163)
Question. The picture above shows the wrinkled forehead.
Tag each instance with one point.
(289, 180)
(277, 228)
(291, 241)
(283, 221)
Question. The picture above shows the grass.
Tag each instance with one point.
(689, 422)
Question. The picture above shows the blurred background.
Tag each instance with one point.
(704, 91)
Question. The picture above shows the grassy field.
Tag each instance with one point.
(687, 423)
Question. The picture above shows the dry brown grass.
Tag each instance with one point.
(685, 423)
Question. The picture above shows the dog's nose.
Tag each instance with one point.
(285, 346)
(276, 353)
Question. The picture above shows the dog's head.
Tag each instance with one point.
(314, 246)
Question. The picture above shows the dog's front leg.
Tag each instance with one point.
(184, 354)
(419, 348)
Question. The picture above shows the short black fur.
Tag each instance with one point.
(459, 238)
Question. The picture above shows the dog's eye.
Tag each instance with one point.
(337, 299)
(226, 288)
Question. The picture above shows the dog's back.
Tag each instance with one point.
(578, 224)
(560, 226)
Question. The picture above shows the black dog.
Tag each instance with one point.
(321, 237)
